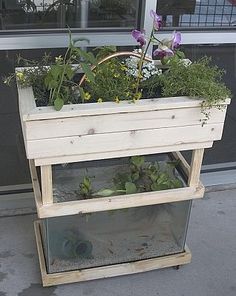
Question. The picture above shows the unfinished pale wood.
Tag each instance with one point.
(35, 183)
(105, 271)
(111, 203)
(123, 153)
(195, 168)
(106, 128)
(38, 113)
(46, 181)
(129, 140)
(117, 122)
(119, 202)
(184, 164)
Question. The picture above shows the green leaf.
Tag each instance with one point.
(104, 192)
(92, 59)
(130, 188)
(138, 161)
(58, 104)
(180, 54)
(81, 91)
(88, 72)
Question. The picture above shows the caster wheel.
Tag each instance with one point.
(176, 267)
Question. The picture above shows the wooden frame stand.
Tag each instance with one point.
(105, 271)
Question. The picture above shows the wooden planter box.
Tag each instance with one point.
(107, 130)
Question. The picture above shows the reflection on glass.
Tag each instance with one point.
(197, 13)
(44, 14)
(111, 237)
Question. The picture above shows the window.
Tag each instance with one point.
(198, 13)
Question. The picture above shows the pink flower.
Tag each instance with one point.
(163, 51)
(176, 40)
(139, 36)
(157, 22)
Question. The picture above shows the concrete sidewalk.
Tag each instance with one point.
(211, 238)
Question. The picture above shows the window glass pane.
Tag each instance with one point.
(197, 13)
(51, 14)
(223, 56)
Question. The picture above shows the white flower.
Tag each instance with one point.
(149, 69)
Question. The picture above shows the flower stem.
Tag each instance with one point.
(141, 61)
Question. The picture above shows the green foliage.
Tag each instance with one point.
(59, 77)
(54, 81)
(142, 177)
(197, 80)
(33, 74)
(85, 188)
(110, 83)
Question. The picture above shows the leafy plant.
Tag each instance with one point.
(110, 83)
(85, 188)
(139, 176)
(59, 77)
(198, 80)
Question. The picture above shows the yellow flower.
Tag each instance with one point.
(117, 100)
(20, 76)
(137, 96)
(87, 96)
(100, 100)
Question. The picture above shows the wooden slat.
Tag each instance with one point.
(106, 271)
(123, 141)
(108, 107)
(195, 167)
(184, 164)
(119, 122)
(119, 202)
(46, 181)
(41, 256)
(124, 153)
(35, 183)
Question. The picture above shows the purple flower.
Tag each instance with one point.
(163, 51)
(157, 22)
(139, 36)
(176, 40)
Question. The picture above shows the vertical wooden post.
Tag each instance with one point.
(195, 168)
(46, 182)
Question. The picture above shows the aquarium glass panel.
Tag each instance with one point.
(112, 237)
(85, 180)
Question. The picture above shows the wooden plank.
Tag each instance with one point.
(119, 202)
(46, 182)
(106, 271)
(130, 140)
(107, 107)
(35, 183)
(124, 153)
(184, 164)
(195, 167)
(119, 122)
(41, 256)
(26, 105)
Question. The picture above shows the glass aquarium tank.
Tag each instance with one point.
(111, 237)
(127, 175)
